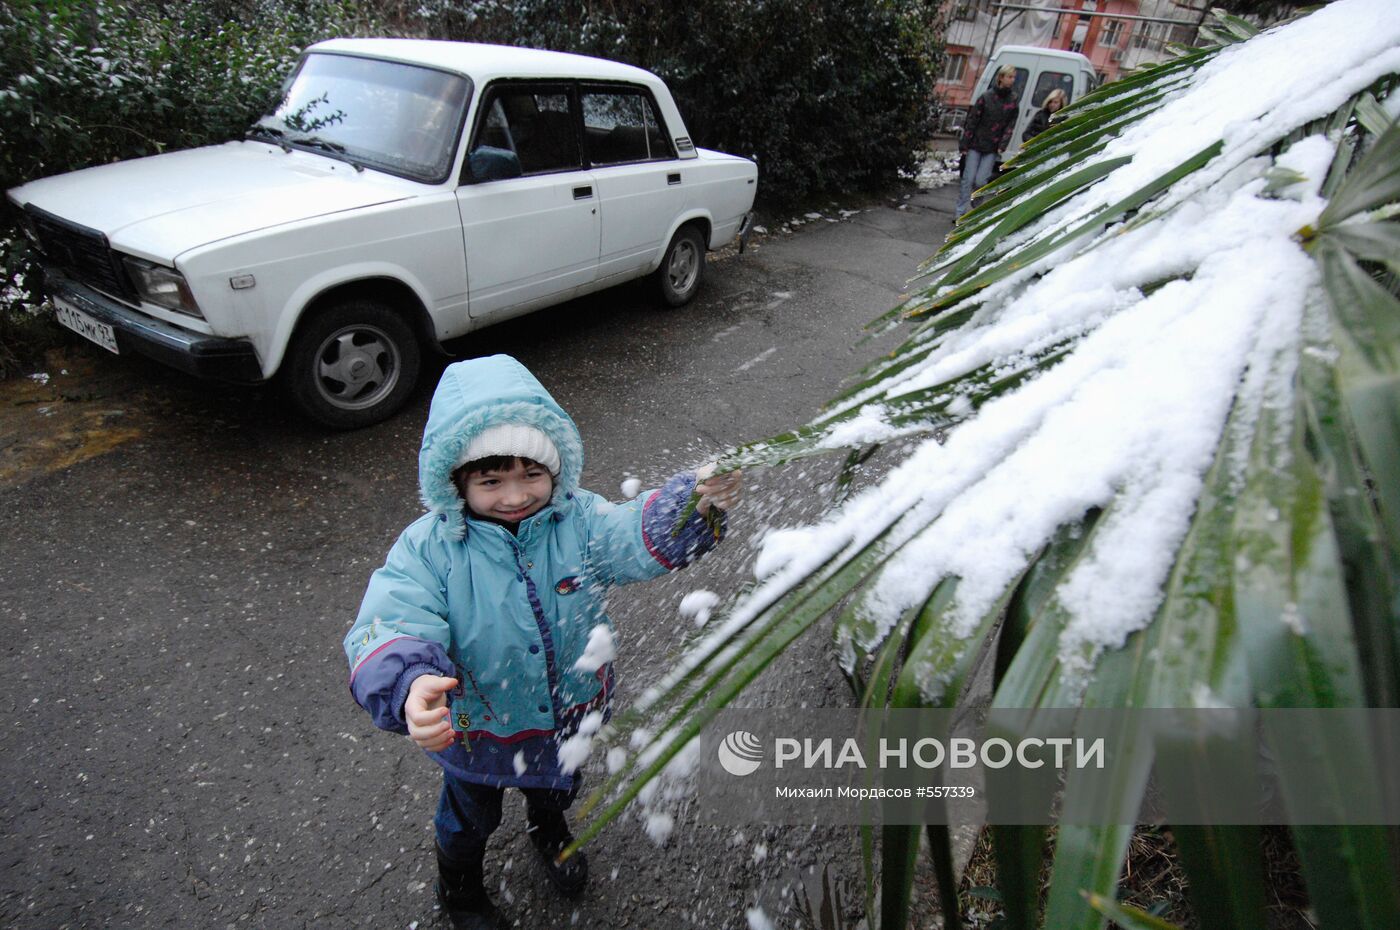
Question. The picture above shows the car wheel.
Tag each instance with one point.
(682, 267)
(352, 365)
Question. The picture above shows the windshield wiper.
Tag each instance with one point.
(316, 142)
(271, 133)
(326, 145)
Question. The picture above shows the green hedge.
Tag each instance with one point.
(84, 82)
(91, 82)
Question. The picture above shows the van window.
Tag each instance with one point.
(1019, 88)
(1050, 81)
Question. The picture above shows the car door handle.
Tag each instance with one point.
(583, 193)
(673, 178)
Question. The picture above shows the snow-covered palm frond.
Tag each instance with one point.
(1155, 380)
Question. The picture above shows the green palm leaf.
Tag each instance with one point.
(1174, 201)
(1126, 916)
(1373, 183)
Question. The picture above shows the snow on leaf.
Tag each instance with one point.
(1160, 322)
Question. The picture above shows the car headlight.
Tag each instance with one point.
(164, 287)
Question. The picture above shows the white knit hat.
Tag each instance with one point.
(513, 439)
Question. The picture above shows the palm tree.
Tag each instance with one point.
(1150, 414)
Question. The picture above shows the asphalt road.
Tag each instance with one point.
(182, 560)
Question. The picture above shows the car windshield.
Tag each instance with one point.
(394, 117)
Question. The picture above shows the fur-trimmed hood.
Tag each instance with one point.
(477, 394)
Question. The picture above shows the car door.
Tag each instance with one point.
(529, 208)
(641, 183)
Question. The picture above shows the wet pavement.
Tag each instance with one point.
(183, 559)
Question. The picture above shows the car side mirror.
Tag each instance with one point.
(488, 163)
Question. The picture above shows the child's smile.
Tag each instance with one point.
(509, 495)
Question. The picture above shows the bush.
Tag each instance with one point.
(827, 95)
(83, 82)
(89, 81)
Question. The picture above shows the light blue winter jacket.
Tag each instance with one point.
(508, 615)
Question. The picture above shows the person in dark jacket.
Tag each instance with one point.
(1053, 103)
(986, 134)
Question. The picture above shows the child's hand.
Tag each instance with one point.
(426, 711)
(722, 491)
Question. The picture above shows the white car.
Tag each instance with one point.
(403, 192)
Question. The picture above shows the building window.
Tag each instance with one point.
(1112, 32)
(1147, 35)
(954, 68)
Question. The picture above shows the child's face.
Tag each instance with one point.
(510, 494)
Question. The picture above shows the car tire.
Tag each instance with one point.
(682, 267)
(352, 364)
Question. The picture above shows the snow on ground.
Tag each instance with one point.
(757, 919)
(938, 167)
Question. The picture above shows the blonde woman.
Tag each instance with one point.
(1053, 103)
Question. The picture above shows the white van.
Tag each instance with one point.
(1042, 70)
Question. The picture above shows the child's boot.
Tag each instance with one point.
(461, 891)
(549, 832)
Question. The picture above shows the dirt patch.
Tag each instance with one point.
(73, 409)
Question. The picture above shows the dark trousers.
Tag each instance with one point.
(469, 813)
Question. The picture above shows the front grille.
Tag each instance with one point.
(82, 252)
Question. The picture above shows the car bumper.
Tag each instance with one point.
(214, 357)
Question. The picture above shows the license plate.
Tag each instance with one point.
(85, 326)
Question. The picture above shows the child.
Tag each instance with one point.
(470, 637)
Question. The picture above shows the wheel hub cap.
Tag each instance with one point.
(357, 367)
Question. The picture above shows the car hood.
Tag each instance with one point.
(161, 206)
